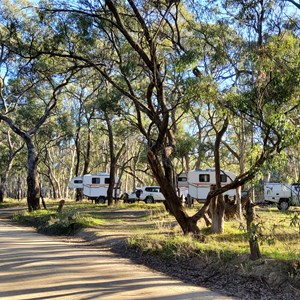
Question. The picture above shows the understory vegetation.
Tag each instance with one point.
(150, 229)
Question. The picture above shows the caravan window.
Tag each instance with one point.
(223, 177)
(78, 181)
(95, 180)
(204, 178)
(152, 189)
(107, 180)
(182, 178)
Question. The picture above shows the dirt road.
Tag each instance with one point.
(34, 266)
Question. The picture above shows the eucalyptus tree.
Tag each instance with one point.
(55, 151)
(26, 134)
(148, 35)
(133, 45)
(222, 51)
(108, 110)
(84, 94)
(267, 88)
(32, 88)
(211, 54)
(134, 55)
(10, 147)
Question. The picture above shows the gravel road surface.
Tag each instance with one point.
(34, 266)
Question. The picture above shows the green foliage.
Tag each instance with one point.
(51, 222)
(185, 145)
(295, 221)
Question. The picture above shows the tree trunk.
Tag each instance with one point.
(251, 229)
(110, 190)
(113, 160)
(87, 147)
(112, 170)
(1, 195)
(239, 212)
(173, 202)
(33, 189)
(217, 207)
(54, 193)
(217, 203)
(78, 194)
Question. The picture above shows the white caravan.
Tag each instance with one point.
(283, 195)
(200, 182)
(76, 183)
(95, 186)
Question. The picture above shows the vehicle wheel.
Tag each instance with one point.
(283, 204)
(101, 200)
(149, 199)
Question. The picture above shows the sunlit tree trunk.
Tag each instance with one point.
(217, 206)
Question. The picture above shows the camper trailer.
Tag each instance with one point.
(200, 182)
(76, 183)
(283, 194)
(95, 186)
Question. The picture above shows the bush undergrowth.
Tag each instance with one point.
(279, 239)
(153, 230)
(51, 222)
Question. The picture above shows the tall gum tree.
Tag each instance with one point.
(139, 29)
(30, 92)
(136, 41)
(33, 189)
(239, 64)
(9, 150)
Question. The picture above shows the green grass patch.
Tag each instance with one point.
(152, 229)
(278, 235)
(51, 222)
(8, 202)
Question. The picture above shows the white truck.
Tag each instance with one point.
(95, 186)
(284, 195)
(200, 182)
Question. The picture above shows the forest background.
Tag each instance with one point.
(147, 91)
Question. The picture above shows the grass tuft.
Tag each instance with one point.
(51, 222)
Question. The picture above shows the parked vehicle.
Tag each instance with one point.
(148, 194)
(284, 195)
(76, 183)
(200, 182)
(95, 186)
